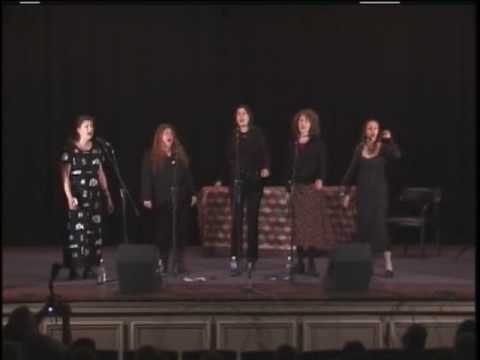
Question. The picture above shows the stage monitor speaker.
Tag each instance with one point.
(350, 267)
(136, 265)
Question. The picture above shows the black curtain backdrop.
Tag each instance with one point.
(413, 67)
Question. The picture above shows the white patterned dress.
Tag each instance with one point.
(84, 225)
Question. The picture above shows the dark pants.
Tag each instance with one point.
(245, 196)
(163, 218)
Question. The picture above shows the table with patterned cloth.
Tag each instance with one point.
(321, 221)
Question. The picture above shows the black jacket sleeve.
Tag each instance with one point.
(391, 150)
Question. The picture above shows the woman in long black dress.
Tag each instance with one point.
(368, 168)
(83, 179)
(305, 173)
(166, 165)
(248, 162)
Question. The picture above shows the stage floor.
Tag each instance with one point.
(447, 276)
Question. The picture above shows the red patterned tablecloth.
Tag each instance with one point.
(321, 219)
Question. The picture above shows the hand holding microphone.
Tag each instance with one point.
(386, 134)
(72, 203)
(104, 144)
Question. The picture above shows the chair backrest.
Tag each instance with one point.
(422, 199)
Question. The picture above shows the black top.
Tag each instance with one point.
(370, 172)
(253, 155)
(156, 187)
(372, 194)
(306, 162)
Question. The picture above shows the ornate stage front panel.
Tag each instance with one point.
(248, 326)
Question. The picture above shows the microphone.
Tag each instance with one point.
(383, 136)
(107, 146)
(103, 142)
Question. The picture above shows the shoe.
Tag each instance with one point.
(389, 274)
(73, 275)
(160, 270)
(250, 266)
(235, 268)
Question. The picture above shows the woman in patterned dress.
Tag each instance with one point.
(83, 180)
(305, 173)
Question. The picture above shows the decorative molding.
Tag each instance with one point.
(440, 329)
(300, 323)
(344, 328)
(261, 327)
(54, 329)
(173, 324)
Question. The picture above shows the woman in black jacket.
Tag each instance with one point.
(305, 173)
(248, 162)
(166, 177)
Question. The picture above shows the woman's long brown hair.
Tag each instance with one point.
(158, 152)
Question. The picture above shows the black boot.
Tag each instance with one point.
(160, 269)
(164, 268)
(300, 265)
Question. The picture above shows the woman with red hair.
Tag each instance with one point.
(166, 178)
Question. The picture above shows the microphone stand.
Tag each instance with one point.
(51, 298)
(173, 194)
(124, 193)
(289, 275)
(292, 212)
(249, 287)
(237, 188)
